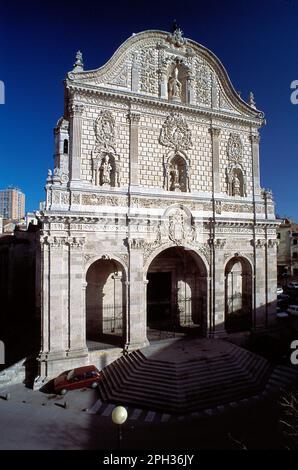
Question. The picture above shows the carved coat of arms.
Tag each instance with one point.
(175, 133)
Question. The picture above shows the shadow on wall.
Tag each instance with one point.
(20, 316)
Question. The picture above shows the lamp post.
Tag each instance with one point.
(119, 416)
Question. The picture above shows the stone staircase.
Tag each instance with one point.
(13, 374)
(203, 381)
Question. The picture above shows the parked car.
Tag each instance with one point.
(293, 310)
(283, 297)
(279, 290)
(282, 314)
(293, 285)
(86, 376)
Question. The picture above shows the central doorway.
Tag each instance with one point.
(159, 295)
(176, 294)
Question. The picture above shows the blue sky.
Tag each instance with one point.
(255, 40)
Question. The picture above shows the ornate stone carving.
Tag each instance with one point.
(218, 243)
(58, 242)
(235, 173)
(175, 133)
(105, 161)
(65, 198)
(104, 128)
(57, 177)
(218, 207)
(176, 38)
(75, 198)
(87, 257)
(259, 243)
(255, 138)
(133, 118)
(180, 227)
(76, 109)
(235, 148)
(272, 243)
(148, 72)
(203, 84)
(91, 199)
(121, 78)
(136, 243)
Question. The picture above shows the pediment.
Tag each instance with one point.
(137, 66)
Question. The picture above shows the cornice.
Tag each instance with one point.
(132, 98)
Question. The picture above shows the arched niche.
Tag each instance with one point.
(176, 171)
(105, 170)
(177, 83)
(105, 301)
(238, 294)
(236, 181)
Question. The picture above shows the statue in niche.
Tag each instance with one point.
(106, 172)
(175, 183)
(236, 186)
(174, 86)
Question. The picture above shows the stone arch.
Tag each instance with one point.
(238, 294)
(176, 171)
(105, 301)
(177, 290)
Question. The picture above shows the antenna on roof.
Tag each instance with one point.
(174, 26)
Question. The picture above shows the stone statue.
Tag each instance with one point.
(175, 184)
(236, 186)
(106, 172)
(174, 86)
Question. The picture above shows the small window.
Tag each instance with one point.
(295, 241)
(295, 255)
(65, 146)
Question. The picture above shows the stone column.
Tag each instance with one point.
(75, 113)
(215, 132)
(219, 289)
(134, 119)
(271, 280)
(77, 304)
(137, 325)
(260, 284)
(189, 89)
(255, 140)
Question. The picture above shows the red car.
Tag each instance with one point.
(87, 376)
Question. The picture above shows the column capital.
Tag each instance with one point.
(76, 109)
(133, 118)
(255, 138)
(214, 131)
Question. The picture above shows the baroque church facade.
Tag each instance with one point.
(154, 214)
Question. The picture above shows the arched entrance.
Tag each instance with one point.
(105, 302)
(176, 292)
(238, 295)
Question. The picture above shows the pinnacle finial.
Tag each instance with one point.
(78, 65)
(251, 100)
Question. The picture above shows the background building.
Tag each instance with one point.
(12, 203)
(287, 251)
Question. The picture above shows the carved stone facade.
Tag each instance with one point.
(156, 181)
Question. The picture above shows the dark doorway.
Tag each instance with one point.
(159, 293)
